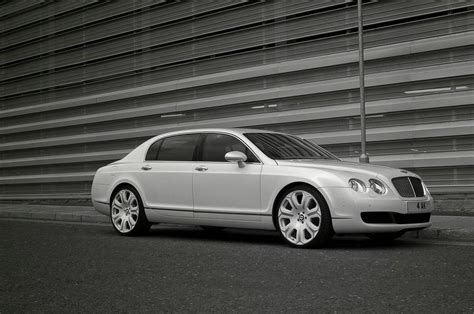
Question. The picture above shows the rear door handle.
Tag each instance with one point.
(201, 168)
(146, 167)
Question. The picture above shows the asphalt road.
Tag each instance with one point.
(59, 267)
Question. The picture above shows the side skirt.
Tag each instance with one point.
(229, 220)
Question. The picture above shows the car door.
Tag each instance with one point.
(167, 175)
(221, 189)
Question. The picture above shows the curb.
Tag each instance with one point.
(66, 217)
(463, 233)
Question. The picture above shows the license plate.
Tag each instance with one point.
(413, 207)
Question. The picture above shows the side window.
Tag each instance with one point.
(215, 146)
(152, 153)
(178, 148)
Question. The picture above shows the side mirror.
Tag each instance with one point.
(237, 156)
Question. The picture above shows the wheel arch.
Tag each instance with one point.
(122, 184)
(286, 188)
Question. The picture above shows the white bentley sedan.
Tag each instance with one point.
(246, 178)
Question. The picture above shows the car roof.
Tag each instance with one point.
(139, 151)
(219, 130)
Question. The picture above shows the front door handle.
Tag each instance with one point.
(146, 167)
(201, 168)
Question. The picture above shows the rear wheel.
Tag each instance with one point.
(126, 212)
(385, 236)
(303, 218)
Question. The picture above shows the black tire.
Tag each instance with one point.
(323, 221)
(385, 236)
(141, 225)
(212, 228)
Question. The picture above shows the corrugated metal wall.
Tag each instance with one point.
(83, 82)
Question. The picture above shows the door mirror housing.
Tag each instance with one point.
(237, 156)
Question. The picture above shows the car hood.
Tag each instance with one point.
(351, 168)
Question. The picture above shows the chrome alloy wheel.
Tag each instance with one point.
(125, 211)
(299, 217)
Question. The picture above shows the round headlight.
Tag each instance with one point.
(357, 185)
(377, 186)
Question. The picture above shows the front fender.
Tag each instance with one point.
(276, 178)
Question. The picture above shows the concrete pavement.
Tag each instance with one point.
(454, 228)
(84, 268)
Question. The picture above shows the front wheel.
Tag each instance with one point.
(126, 212)
(303, 218)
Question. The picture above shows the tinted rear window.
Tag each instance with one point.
(178, 148)
(152, 153)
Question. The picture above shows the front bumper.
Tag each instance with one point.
(347, 206)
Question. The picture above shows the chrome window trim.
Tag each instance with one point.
(197, 161)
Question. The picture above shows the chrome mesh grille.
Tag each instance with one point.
(417, 186)
(408, 186)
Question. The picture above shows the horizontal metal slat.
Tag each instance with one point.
(61, 31)
(379, 119)
(12, 27)
(18, 6)
(394, 133)
(279, 68)
(101, 71)
(53, 169)
(160, 37)
(385, 114)
(450, 176)
(64, 159)
(113, 27)
(328, 74)
(47, 188)
(97, 11)
(439, 100)
(450, 189)
(403, 9)
(50, 26)
(219, 44)
(22, 195)
(90, 90)
(299, 115)
(289, 91)
(427, 6)
(463, 158)
(405, 147)
(213, 23)
(63, 177)
(73, 148)
(307, 100)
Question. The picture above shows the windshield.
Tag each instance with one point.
(282, 146)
